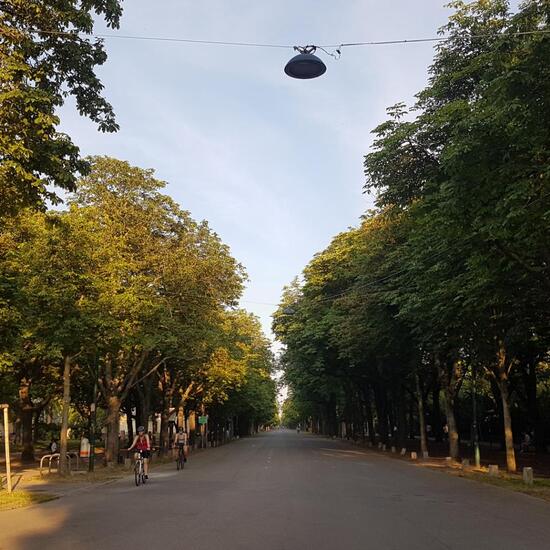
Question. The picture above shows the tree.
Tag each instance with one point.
(45, 56)
(47, 269)
(162, 280)
(446, 275)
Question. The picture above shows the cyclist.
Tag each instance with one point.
(143, 445)
(180, 442)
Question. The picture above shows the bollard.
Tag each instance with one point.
(393, 450)
(413, 456)
(493, 470)
(465, 463)
(403, 451)
(528, 475)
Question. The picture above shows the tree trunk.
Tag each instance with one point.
(113, 423)
(167, 387)
(498, 424)
(164, 435)
(501, 371)
(421, 417)
(144, 391)
(333, 420)
(26, 413)
(401, 417)
(129, 426)
(451, 423)
(507, 421)
(451, 375)
(370, 420)
(534, 417)
(381, 412)
(35, 423)
(63, 465)
(411, 428)
(134, 400)
(437, 424)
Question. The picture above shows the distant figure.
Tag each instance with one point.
(525, 442)
(53, 446)
(298, 428)
(446, 432)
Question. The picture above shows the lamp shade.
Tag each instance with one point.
(305, 65)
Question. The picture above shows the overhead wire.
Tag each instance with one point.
(322, 47)
(433, 39)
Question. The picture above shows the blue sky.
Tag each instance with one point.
(274, 164)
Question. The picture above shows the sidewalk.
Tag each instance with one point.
(27, 477)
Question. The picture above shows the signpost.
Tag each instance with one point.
(7, 446)
(203, 421)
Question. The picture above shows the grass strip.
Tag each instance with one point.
(20, 499)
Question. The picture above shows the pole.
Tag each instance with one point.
(7, 446)
(475, 431)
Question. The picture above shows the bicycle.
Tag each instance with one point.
(139, 469)
(180, 459)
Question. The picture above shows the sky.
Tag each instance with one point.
(274, 164)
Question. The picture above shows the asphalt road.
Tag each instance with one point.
(284, 491)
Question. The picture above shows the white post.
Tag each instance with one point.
(7, 446)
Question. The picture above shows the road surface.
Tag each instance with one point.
(284, 491)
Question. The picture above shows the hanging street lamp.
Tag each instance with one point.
(305, 65)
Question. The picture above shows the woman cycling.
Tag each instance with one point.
(181, 442)
(143, 446)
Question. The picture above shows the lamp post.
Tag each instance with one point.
(305, 65)
(7, 446)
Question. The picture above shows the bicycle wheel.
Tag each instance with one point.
(137, 473)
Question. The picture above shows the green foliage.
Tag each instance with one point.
(254, 397)
(139, 295)
(44, 57)
(451, 271)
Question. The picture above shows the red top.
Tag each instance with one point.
(142, 444)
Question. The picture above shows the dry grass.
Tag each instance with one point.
(20, 499)
(513, 482)
(540, 487)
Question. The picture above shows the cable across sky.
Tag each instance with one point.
(285, 46)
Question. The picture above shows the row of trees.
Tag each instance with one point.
(125, 290)
(122, 298)
(444, 288)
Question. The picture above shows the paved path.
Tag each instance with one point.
(283, 491)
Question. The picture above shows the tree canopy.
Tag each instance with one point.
(46, 55)
(448, 276)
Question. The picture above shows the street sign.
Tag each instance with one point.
(203, 419)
